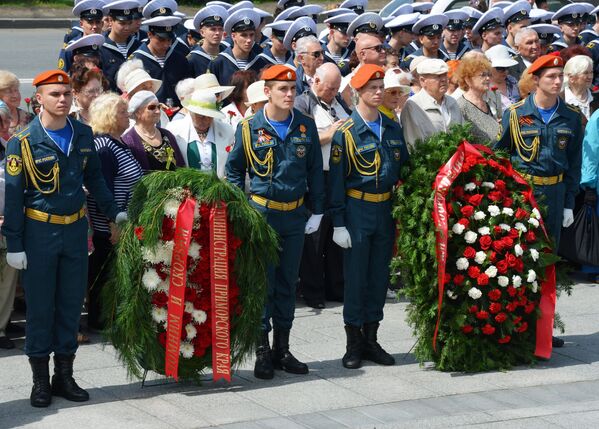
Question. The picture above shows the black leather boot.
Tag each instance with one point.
(41, 393)
(263, 368)
(372, 349)
(63, 383)
(282, 357)
(352, 359)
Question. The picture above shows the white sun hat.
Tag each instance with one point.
(500, 56)
(137, 77)
(209, 83)
(255, 92)
(203, 103)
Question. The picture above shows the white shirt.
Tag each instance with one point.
(324, 120)
(205, 149)
(232, 115)
(584, 106)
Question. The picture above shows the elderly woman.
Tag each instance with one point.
(121, 171)
(256, 98)
(235, 111)
(202, 135)
(501, 81)
(395, 95)
(183, 89)
(578, 79)
(474, 77)
(154, 148)
(87, 84)
(11, 95)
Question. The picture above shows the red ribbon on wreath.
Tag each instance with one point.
(178, 282)
(445, 178)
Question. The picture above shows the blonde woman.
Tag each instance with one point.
(11, 95)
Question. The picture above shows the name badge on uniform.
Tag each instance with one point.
(44, 159)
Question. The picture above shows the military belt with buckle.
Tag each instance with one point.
(276, 205)
(55, 219)
(365, 196)
(544, 181)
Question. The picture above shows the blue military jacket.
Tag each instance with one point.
(176, 68)
(199, 60)
(80, 167)
(225, 64)
(343, 174)
(560, 143)
(297, 166)
(112, 59)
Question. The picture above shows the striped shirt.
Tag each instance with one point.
(122, 47)
(121, 172)
(242, 64)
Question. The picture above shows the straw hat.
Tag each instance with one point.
(138, 76)
(209, 83)
(255, 92)
(203, 103)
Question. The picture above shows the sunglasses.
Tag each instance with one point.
(152, 107)
(501, 69)
(377, 48)
(315, 54)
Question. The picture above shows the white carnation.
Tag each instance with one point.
(480, 257)
(507, 211)
(196, 211)
(186, 350)
(489, 185)
(458, 228)
(470, 187)
(520, 227)
(199, 316)
(150, 279)
(505, 227)
(159, 314)
(535, 287)
(188, 306)
(164, 285)
(518, 251)
(474, 293)
(494, 210)
(462, 264)
(164, 252)
(191, 331)
(532, 276)
(479, 215)
(470, 237)
(534, 254)
(533, 222)
(491, 271)
(484, 230)
(503, 281)
(516, 281)
(194, 250)
(536, 214)
(171, 208)
(149, 255)
(451, 295)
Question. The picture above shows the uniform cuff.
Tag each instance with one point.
(14, 245)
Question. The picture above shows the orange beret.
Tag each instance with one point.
(365, 73)
(545, 62)
(51, 76)
(278, 72)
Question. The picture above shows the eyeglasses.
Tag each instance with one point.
(93, 91)
(485, 75)
(152, 107)
(377, 48)
(315, 54)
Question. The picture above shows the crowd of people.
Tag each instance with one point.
(314, 126)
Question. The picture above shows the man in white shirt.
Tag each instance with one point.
(430, 111)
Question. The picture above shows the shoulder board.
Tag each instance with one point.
(591, 45)
(346, 125)
(244, 120)
(516, 105)
(24, 133)
(131, 56)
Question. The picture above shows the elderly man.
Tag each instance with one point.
(528, 45)
(309, 53)
(430, 111)
(321, 270)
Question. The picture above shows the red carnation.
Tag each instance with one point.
(458, 279)
(458, 191)
(522, 328)
(27, 100)
(498, 245)
(139, 232)
(495, 196)
(473, 272)
(501, 317)
(501, 266)
(473, 309)
(447, 278)
(508, 242)
(488, 329)
(511, 291)
(495, 307)
(500, 185)
(464, 221)
(511, 260)
(494, 294)
(482, 279)
(513, 233)
(159, 299)
(469, 252)
(450, 209)
(511, 306)
(521, 213)
(504, 340)
(168, 228)
(507, 202)
(519, 265)
(497, 229)
(517, 320)
(466, 329)
(482, 315)
(467, 211)
(530, 307)
(492, 256)
(530, 236)
(476, 199)
(485, 242)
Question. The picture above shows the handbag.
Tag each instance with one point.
(580, 241)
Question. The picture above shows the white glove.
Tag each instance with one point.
(341, 237)
(121, 217)
(17, 260)
(568, 218)
(313, 224)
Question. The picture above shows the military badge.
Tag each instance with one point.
(263, 137)
(397, 154)
(300, 151)
(302, 128)
(14, 165)
(525, 120)
(336, 154)
(562, 142)
(61, 64)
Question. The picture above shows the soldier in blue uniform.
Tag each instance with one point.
(339, 46)
(367, 153)
(428, 30)
(544, 137)
(161, 60)
(45, 226)
(85, 48)
(241, 25)
(571, 22)
(402, 35)
(453, 44)
(280, 149)
(120, 43)
(209, 23)
(90, 20)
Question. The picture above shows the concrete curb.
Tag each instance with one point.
(33, 23)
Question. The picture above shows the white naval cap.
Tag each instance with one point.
(301, 27)
(404, 9)
(335, 12)
(284, 15)
(430, 24)
(286, 4)
(368, 22)
(516, 12)
(279, 28)
(219, 3)
(210, 15)
(244, 4)
(540, 15)
(162, 26)
(242, 20)
(358, 6)
(491, 19)
(457, 18)
(122, 10)
(341, 22)
(308, 10)
(572, 12)
(89, 9)
(422, 7)
(403, 22)
(546, 32)
(86, 45)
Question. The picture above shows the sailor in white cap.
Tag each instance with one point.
(547, 34)
(209, 23)
(358, 6)
(220, 3)
(309, 10)
(161, 60)
(90, 17)
(515, 17)
(339, 46)
(367, 23)
(423, 7)
(277, 52)
(157, 8)
(85, 48)
(473, 16)
(592, 31)
(428, 30)
(453, 44)
(139, 34)
(241, 25)
(301, 27)
(120, 43)
(490, 28)
(570, 19)
(286, 4)
(402, 35)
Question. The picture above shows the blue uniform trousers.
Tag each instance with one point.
(554, 197)
(366, 263)
(282, 278)
(55, 282)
